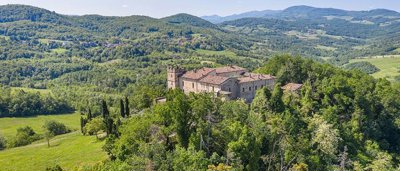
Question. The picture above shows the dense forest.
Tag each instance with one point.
(21, 103)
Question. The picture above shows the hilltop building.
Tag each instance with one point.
(231, 82)
(292, 87)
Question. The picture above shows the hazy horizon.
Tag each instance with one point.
(159, 9)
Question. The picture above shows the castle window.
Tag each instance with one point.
(229, 89)
(249, 88)
(183, 83)
(192, 85)
(256, 88)
(243, 90)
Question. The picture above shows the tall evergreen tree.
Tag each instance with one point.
(127, 110)
(108, 121)
(105, 111)
(83, 123)
(122, 108)
(90, 116)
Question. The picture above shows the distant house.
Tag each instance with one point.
(292, 87)
(231, 82)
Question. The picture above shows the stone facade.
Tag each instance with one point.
(231, 82)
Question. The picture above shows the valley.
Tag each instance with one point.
(81, 92)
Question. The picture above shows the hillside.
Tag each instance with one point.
(252, 14)
(70, 151)
(112, 71)
(324, 32)
(189, 19)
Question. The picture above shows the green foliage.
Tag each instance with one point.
(339, 120)
(364, 66)
(56, 128)
(3, 143)
(94, 126)
(21, 103)
(188, 159)
(189, 19)
(54, 168)
(25, 136)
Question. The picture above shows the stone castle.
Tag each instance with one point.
(230, 82)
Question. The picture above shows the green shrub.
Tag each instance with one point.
(54, 168)
(2, 143)
(56, 128)
(24, 136)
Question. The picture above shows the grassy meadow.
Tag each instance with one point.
(9, 126)
(70, 151)
(389, 65)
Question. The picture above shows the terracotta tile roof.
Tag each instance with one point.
(292, 86)
(250, 77)
(198, 74)
(216, 80)
(229, 69)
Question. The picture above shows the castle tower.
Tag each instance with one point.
(173, 76)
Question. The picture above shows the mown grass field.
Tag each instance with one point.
(70, 151)
(9, 126)
(389, 66)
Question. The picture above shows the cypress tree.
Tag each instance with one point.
(90, 116)
(105, 111)
(108, 121)
(122, 108)
(109, 125)
(83, 125)
(127, 110)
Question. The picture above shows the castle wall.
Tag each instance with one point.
(248, 89)
(209, 88)
(189, 86)
(231, 86)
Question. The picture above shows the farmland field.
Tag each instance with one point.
(9, 126)
(389, 66)
(70, 151)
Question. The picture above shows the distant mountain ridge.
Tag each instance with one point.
(302, 12)
(251, 14)
(303, 30)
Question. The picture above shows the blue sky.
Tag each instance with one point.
(161, 8)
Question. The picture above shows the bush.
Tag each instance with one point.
(2, 143)
(54, 168)
(24, 136)
(56, 128)
(95, 126)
